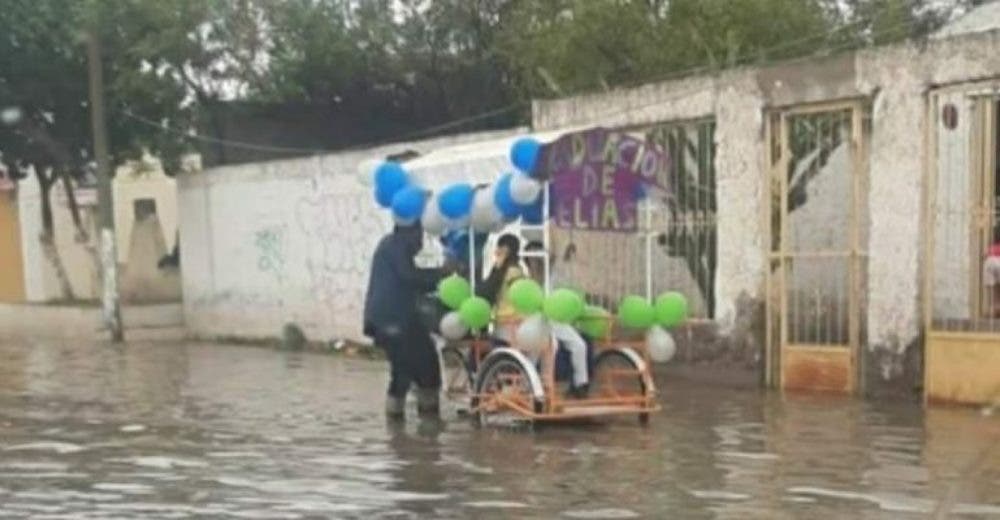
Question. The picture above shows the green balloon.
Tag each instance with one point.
(635, 312)
(595, 322)
(563, 306)
(475, 313)
(526, 296)
(453, 291)
(671, 309)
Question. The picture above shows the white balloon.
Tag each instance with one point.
(432, 220)
(533, 335)
(660, 344)
(524, 190)
(485, 217)
(452, 327)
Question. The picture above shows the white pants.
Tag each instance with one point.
(571, 340)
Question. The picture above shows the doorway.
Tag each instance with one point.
(962, 284)
(815, 273)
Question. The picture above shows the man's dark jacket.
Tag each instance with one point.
(396, 283)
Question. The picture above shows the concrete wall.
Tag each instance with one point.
(266, 244)
(142, 280)
(141, 243)
(131, 183)
(895, 80)
(41, 282)
(143, 180)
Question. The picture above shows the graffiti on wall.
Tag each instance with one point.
(269, 244)
(342, 231)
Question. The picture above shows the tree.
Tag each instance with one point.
(422, 62)
(209, 51)
(878, 22)
(567, 46)
(563, 47)
(43, 81)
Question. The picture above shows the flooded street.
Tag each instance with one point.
(198, 431)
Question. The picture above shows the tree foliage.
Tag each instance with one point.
(175, 61)
(561, 47)
(43, 73)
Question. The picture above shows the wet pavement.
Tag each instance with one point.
(199, 431)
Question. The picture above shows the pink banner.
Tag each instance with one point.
(599, 176)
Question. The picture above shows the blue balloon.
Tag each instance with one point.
(524, 154)
(456, 244)
(456, 201)
(408, 203)
(390, 177)
(502, 198)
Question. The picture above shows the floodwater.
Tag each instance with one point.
(199, 431)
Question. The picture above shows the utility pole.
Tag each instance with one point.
(108, 251)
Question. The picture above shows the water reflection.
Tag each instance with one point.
(177, 431)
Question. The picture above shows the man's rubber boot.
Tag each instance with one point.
(428, 403)
(395, 408)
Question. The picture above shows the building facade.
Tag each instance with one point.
(832, 220)
(146, 222)
(828, 208)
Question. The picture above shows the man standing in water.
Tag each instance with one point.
(393, 321)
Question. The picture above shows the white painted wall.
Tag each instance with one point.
(30, 219)
(266, 244)
(41, 283)
(145, 180)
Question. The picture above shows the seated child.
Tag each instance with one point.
(570, 341)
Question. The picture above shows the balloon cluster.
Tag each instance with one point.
(394, 189)
(567, 306)
(486, 209)
(468, 312)
(669, 310)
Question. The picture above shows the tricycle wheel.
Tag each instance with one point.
(504, 392)
(618, 374)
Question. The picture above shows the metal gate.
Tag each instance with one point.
(962, 286)
(815, 259)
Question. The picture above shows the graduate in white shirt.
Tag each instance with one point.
(566, 335)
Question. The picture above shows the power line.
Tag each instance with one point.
(214, 140)
(314, 151)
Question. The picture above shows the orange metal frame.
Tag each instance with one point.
(556, 407)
